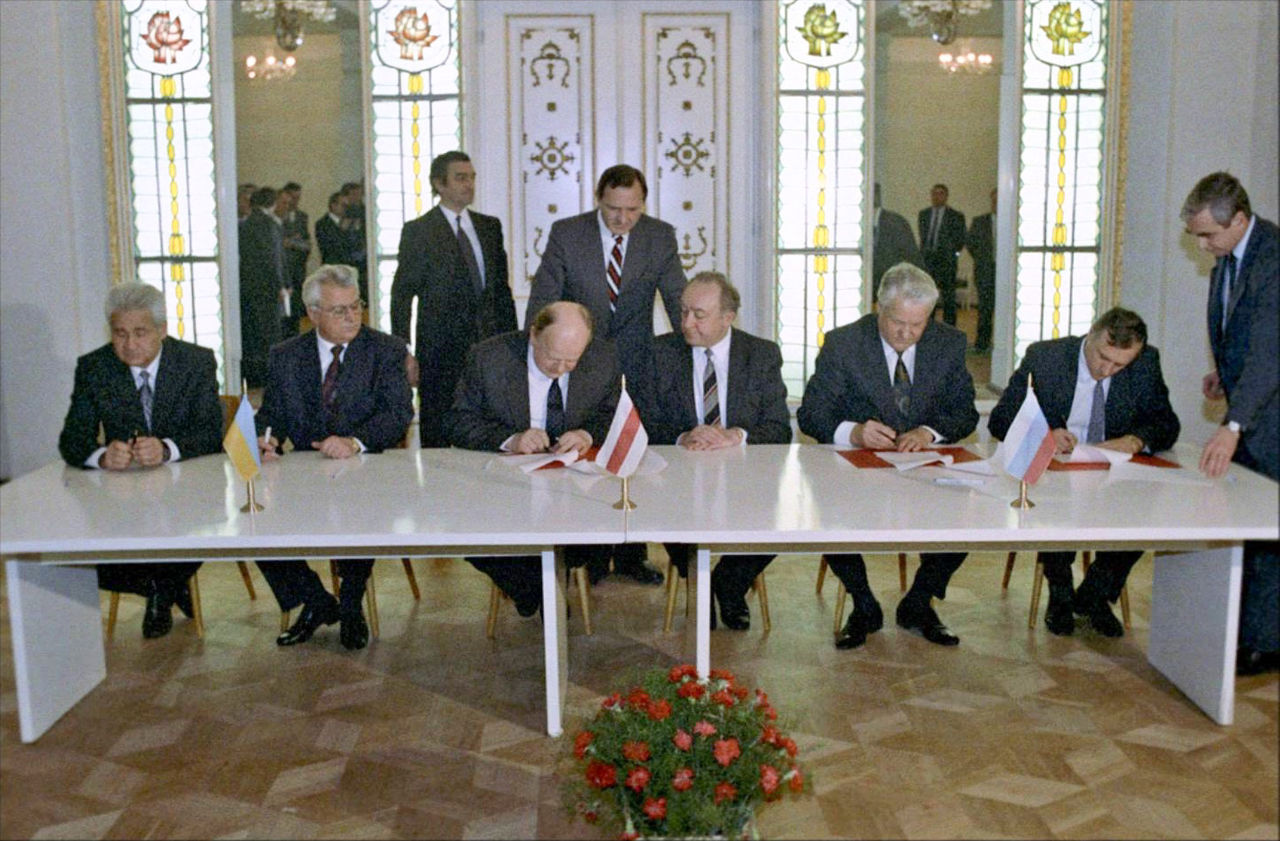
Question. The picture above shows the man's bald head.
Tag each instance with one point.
(559, 335)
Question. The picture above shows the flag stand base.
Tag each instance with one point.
(1022, 501)
(625, 504)
(252, 505)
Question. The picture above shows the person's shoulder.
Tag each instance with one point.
(187, 350)
(295, 345)
(653, 226)
(380, 340)
(752, 341)
(944, 334)
(672, 341)
(484, 218)
(578, 222)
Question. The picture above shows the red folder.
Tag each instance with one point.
(1150, 461)
(868, 458)
(588, 456)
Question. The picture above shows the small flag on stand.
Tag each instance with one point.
(627, 440)
(241, 442)
(1028, 445)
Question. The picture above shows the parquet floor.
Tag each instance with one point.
(436, 732)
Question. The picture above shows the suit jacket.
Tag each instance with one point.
(950, 239)
(185, 407)
(261, 279)
(573, 269)
(297, 245)
(756, 399)
(894, 243)
(1246, 353)
(373, 403)
(1137, 400)
(492, 400)
(333, 242)
(451, 317)
(851, 382)
(982, 244)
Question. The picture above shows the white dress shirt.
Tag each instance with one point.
(720, 359)
(152, 369)
(539, 385)
(1082, 400)
(325, 349)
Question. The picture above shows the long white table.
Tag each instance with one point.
(427, 502)
(807, 498)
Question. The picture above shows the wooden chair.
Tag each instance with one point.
(759, 587)
(113, 608)
(1037, 587)
(581, 582)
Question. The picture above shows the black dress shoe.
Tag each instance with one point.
(1099, 614)
(1250, 661)
(734, 614)
(854, 632)
(642, 572)
(527, 605)
(311, 618)
(1059, 618)
(354, 632)
(157, 619)
(921, 617)
(182, 598)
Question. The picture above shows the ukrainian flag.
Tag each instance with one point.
(241, 442)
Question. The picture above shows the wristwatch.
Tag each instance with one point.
(1234, 426)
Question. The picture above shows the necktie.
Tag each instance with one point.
(555, 411)
(145, 395)
(613, 274)
(329, 388)
(469, 258)
(710, 393)
(1228, 280)
(1097, 416)
(902, 388)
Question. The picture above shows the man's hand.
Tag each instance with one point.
(1063, 441)
(268, 448)
(704, 437)
(1211, 386)
(336, 446)
(1218, 452)
(531, 441)
(874, 435)
(574, 439)
(916, 440)
(148, 452)
(119, 456)
(1124, 444)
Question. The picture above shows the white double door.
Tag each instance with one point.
(559, 91)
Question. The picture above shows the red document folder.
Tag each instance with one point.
(868, 458)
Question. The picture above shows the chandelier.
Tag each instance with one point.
(967, 61)
(270, 68)
(941, 16)
(288, 16)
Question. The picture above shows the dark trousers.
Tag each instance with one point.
(626, 556)
(1105, 578)
(985, 281)
(941, 265)
(1260, 589)
(936, 569)
(295, 582)
(520, 576)
(730, 578)
(144, 578)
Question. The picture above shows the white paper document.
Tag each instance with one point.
(910, 461)
(1089, 454)
(533, 461)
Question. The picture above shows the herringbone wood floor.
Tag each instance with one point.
(436, 732)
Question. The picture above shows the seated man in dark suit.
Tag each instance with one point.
(1105, 389)
(340, 389)
(155, 400)
(895, 380)
(718, 387)
(551, 388)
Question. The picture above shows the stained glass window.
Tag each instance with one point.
(169, 134)
(1064, 90)
(415, 73)
(820, 176)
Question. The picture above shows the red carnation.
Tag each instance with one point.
(724, 697)
(771, 735)
(762, 700)
(638, 699)
(769, 779)
(638, 778)
(629, 836)
(635, 751)
(789, 746)
(580, 743)
(722, 674)
(704, 728)
(726, 750)
(679, 673)
(683, 780)
(659, 710)
(725, 791)
(683, 740)
(739, 691)
(655, 810)
(614, 700)
(691, 689)
(797, 781)
(601, 774)
(770, 713)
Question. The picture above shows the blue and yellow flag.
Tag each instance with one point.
(241, 442)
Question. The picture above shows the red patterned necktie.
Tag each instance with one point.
(613, 275)
(329, 388)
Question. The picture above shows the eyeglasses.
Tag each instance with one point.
(342, 311)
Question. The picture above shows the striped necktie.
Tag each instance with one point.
(1228, 280)
(146, 396)
(613, 273)
(710, 393)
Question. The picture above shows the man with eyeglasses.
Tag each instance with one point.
(340, 389)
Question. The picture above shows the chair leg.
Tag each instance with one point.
(413, 579)
(1124, 606)
(284, 621)
(491, 624)
(333, 575)
(902, 571)
(113, 607)
(248, 582)
(1008, 570)
(762, 591)
(840, 592)
(371, 599)
(822, 575)
(193, 585)
(673, 586)
(1036, 587)
(580, 576)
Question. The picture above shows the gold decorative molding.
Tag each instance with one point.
(114, 145)
(1120, 154)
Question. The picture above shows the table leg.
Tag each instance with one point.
(554, 633)
(56, 623)
(1195, 617)
(702, 581)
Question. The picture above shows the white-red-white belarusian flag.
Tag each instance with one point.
(624, 447)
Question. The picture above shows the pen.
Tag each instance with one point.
(266, 436)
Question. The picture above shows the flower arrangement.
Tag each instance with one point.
(681, 756)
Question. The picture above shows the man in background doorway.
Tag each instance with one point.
(981, 243)
(893, 243)
(941, 238)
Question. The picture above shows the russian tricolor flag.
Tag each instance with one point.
(1028, 445)
(627, 440)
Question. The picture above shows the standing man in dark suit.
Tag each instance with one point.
(941, 238)
(155, 400)
(893, 243)
(333, 242)
(262, 285)
(453, 261)
(1106, 390)
(894, 380)
(340, 389)
(297, 245)
(719, 387)
(612, 260)
(981, 243)
(549, 388)
(1244, 333)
